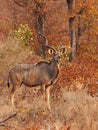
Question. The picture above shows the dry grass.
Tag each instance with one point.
(71, 110)
(11, 53)
(77, 110)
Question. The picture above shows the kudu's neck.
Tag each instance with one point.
(53, 64)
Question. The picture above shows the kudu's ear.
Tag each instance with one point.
(63, 50)
(51, 50)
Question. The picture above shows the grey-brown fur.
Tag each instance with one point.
(41, 73)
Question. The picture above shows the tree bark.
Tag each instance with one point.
(39, 25)
(71, 6)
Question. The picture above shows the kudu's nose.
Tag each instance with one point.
(57, 57)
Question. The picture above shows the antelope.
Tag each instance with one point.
(42, 73)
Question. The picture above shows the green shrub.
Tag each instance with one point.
(23, 34)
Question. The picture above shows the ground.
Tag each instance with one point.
(70, 110)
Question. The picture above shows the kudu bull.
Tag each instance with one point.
(42, 73)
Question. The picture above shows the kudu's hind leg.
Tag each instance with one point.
(12, 94)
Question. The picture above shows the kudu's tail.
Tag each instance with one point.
(8, 82)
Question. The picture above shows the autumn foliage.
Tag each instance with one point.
(24, 44)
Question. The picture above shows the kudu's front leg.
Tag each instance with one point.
(48, 97)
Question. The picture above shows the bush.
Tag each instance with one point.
(23, 34)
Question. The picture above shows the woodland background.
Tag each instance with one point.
(26, 27)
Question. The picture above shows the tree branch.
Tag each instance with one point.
(8, 117)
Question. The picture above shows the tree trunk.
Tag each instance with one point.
(71, 5)
(39, 26)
